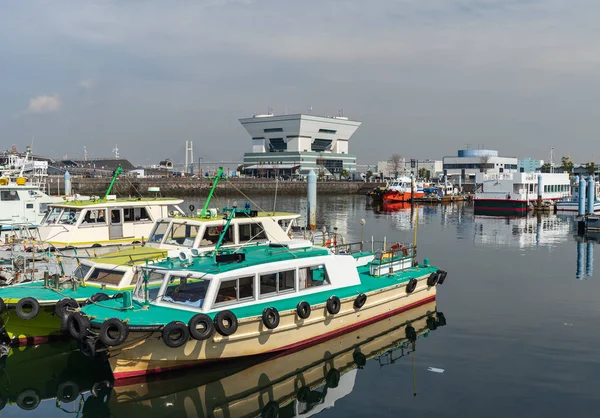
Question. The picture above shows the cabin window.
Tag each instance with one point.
(186, 290)
(251, 231)
(9, 195)
(135, 278)
(115, 216)
(52, 216)
(241, 289)
(159, 231)
(155, 279)
(309, 277)
(69, 216)
(135, 215)
(274, 283)
(212, 234)
(106, 276)
(29, 205)
(81, 271)
(93, 217)
(182, 234)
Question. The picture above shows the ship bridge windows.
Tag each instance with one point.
(9, 195)
(69, 216)
(212, 234)
(151, 287)
(94, 217)
(182, 234)
(309, 277)
(52, 216)
(251, 232)
(237, 290)
(135, 215)
(276, 283)
(185, 290)
(158, 232)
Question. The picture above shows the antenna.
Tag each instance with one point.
(116, 152)
(552, 159)
(189, 155)
(85, 154)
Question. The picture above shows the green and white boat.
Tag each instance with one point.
(252, 300)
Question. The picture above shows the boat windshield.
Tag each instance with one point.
(52, 216)
(155, 280)
(69, 216)
(159, 231)
(182, 234)
(185, 290)
(81, 271)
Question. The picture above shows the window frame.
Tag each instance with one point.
(277, 292)
(237, 300)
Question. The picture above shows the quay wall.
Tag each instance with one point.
(179, 187)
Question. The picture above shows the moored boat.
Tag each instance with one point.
(248, 301)
(399, 190)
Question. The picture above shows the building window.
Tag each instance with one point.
(321, 144)
(267, 130)
(327, 131)
(277, 144)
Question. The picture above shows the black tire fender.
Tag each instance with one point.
(113, 325)
(226, 323)
(98, 297)
(360, 301)
(206, 322)
(61, 309)
(433, 278)
(22, 304)
(28, 400)
(175, 334)
(78, 325)
(303, 309)
(333, 378)
(67, 391)
(270, 318)
(442, 278)
(411, 285)
(333, 304)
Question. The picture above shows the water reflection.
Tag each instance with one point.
(585, 257)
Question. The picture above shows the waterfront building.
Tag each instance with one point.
(529, 165)
(469, 162)
(289, 145)
(408, 166)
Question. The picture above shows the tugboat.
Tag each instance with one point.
(252, 300)
(399, 190)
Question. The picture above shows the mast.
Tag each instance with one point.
(212, 191)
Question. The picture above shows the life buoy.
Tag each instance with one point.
(333, 305)
(67, 391)
(175, 334)
(411, 285)
(270, 318)
(98, 297)
(360, 301)
(226, 323)
(201, 327)
(303, 309)
(62, 307)
(27, 308)
(109, 328)
(442, 278)
(433, 279)
(78, 325)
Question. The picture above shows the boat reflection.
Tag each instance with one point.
(296, 383)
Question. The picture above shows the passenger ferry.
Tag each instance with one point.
(511, 193)
(251, 300)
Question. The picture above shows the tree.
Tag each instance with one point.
(590, 168)
(368, 175)
(344, 174)
(484, 162)
(567, 165)
(546, 168)
(424, 173)
(394, 164)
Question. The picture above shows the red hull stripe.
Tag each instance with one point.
(295, 346)
(27, 341)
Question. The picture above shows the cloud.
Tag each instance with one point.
(86, 84)
(44, 104)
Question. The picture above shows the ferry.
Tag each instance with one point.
(252, 300)
(511, 193)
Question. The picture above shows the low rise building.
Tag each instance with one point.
(469, 162)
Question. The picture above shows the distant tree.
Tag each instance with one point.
(368, 175)
(394, 164)
(567, 165)
(424, 173)
(546, 168)
(484, 162)
(344, 174)
(590, 168)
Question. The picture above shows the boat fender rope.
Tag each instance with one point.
(63, 306)
(98, 297)
(226, 323)
(433, 278)
(27, 308)
(206, 330)
(360, 301)
(303, 309)
(411, 286)
(333, 304)
(442, 277)
(109, 328)
(78, 325)
(270, 317)
(175, 334)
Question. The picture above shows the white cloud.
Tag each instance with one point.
(44, 104)
(86, 84)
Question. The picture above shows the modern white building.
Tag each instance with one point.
(287, 145)
(469, 162)
(406, 167)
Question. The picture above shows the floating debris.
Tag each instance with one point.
(435, 370)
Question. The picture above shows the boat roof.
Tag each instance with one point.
(162, 201)
(258, 215)
(130, 256)
(254, 255)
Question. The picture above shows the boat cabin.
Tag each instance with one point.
(522, 186)
(23, 203)
(94, 223)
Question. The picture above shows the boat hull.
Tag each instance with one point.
(145, 353)
(395, 196)
(499, 206)
(573, 207)
(43, 328)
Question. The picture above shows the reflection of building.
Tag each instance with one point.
(469, 162)
(291, 144)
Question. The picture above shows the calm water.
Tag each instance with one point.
(521, 305)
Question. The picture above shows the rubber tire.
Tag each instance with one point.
(270, 318)
(441, 319)
(121, 327)
(98, 297)
(22, 397)
(332, 380)
(2, 306)
(333, 305)
(303, 309)
(60, 309)
(431, 323)
(35, 308)
(411, 285)
(87, 347)
(433, 279)
(442, 278)
(411, 334)
(172, 327)
(303, 394)
(70, 395)
(101, 389)
(220, 319)
(360, 300)
(270, 410)
(359, 359)
(78, 325)
(209, 327)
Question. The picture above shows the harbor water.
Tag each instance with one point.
(513, 333)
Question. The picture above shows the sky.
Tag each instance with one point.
(426, 77)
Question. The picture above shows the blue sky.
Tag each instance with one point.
(425, 77)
